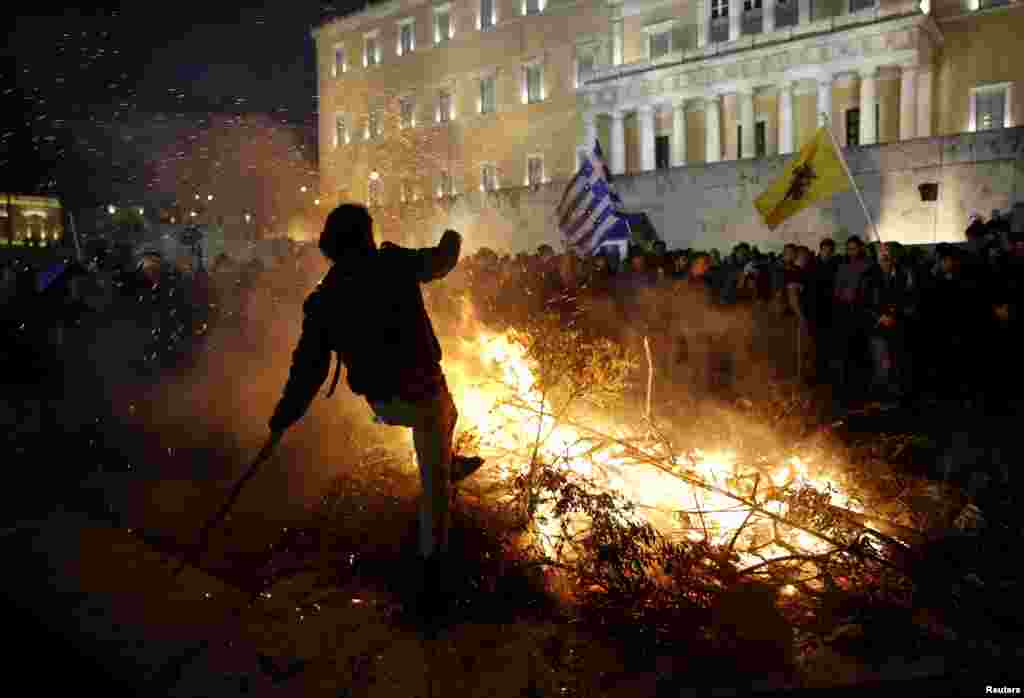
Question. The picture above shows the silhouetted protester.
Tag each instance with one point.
(369, 310)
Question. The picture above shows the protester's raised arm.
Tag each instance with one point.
(436, 262)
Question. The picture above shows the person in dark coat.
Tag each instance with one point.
(369, 311)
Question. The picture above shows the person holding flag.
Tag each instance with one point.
(818, 172)
(589, 214)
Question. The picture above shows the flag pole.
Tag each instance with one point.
(846, 168)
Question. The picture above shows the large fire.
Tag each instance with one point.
(495, 386)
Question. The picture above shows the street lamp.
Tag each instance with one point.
(248, 218)
(209, 197)
(316, 202)
(141, 211)
(111, 209)
(194, 214)
(303, 189)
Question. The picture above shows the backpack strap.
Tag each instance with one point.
(337, 373)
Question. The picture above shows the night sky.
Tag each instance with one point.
(83, 83)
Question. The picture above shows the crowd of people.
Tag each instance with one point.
(873, 322)
(876, 321)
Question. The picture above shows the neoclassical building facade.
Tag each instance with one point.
(421, 101)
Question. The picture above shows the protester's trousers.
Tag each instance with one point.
(433, 424)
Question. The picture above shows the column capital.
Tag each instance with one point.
(824, 79)
(616, 115)
(645, 108)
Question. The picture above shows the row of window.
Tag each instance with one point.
(446, 183)
(487, 103)
(989, 110)
(443, 30)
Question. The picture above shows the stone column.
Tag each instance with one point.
(704, 34)
(735, 14)
(618, 34)
(824, 99)
(908, 102)
(589, 131)
(679, 133)
(804, 12)
(924, 103)
(713, 128)
(746, 101)
(645, 116)
(786, 118)
(768, 12)
(618, 144)
(868, 98)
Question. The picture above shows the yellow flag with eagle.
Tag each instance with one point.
(816, 173)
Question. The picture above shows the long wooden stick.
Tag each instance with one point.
(650, 378)
(222, 513)
(846, 168)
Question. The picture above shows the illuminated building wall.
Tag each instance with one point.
(662, 86)
(30, 221)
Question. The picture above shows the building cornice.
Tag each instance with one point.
(383, 10)
(711, 59)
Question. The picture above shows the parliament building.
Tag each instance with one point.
(424, 101)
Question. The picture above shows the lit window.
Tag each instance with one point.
(584, 67)
(373, 190)
(990, 107)
(406, 108)
(371, 51)
(719, 8)
(534, 87)
(445, 110)
(340, 64)
(487, 17)
(406, 37)
(340, 130)
(534, 170)
(660, 44)
(487, 101)
(488, 177)
(443, 29)
(853, 127)
(374, 128)
(445, 185)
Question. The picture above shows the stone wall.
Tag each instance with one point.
(712, 205)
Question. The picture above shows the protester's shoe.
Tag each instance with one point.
(464, 466)
(432, 598)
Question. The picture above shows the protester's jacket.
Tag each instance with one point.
(850, 283)
(895, 292)
(370, 312)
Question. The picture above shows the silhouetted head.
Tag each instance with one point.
(348, 231)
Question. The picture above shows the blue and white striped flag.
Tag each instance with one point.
(588, 214)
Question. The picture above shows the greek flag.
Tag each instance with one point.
(588, 214)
